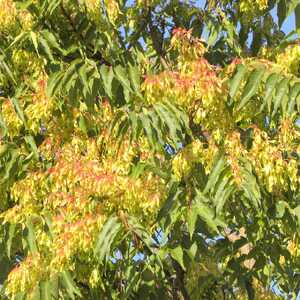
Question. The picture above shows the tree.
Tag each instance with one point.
(140, 160)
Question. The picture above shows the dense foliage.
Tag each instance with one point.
(149, 149)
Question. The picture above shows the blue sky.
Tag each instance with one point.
(289, 24)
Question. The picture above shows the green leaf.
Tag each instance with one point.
(48, 221)
(7, 69)
(106, 237)
(214, 175)
(11, 233)
(122, 130)
(295, 91)
(156, 124)
(269, 90)
(82, 72)
(172, 198)
(296, 212)
(192, 216)
(281, 12)
(223, 192)
(54, 83)
(249, 184)
(177, 254)
(139, 230)
(133, 125)
(107, 76)
(18, 109)
(4, 149)
(20, 296)
(120, 115)
(19, 39)
(235, 82)
(134, 279)
(36, 295)
(122, 75)
(281, 92)
(52, 6)
(82, 123)
(192, 251)
(280, 209)
(172, 209)
(24, 4)
(54, 286)
(34, 41)
(135, 78)
(206, 213)
(214, 30)
(31, 142)
(146, 123)
(45, 290)
(297, 16)
(180, 115)
(252, 86)
(46, 48)
(51, 40)
(70, 285)
(292, 4)
(169, 120)
(3, 127)
(31, 236)
(11, 166)
(71, 75)
(137, 170)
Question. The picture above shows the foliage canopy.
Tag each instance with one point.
(149, 149)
